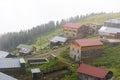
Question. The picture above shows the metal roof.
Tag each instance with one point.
(25, 46)
(24, 50)
(6, 77)
(113, 21)
(10, 63)
(88, 42)
(92, 71)
(104, 30)
(59, 39)
(72, 25)
(3, 54)
(36, 70)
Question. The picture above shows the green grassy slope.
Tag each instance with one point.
(43, 41)
(100, 18)
(110, 60)
(111, 57)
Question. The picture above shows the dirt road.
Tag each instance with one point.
(56, 51)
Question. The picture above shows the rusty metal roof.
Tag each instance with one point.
(92, 71)
(72, 25)
(88, 42)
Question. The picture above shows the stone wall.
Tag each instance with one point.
(75, 54)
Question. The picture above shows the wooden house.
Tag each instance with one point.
(88, 72)
(12, 66)
(85, 48)
(25, 49)
(93, 28)
(57, 41)
(110, 29)
(74, 30)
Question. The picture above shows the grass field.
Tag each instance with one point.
(43, 41)
(100, 18)
(110, 58)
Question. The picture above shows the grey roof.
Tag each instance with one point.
(36, 70)
(104, 30)
(3, 54)
(59, 39)
(113, 21)
(10, 63)
(25, 46)
(6, 77)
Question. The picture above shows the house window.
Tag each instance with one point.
(77, 51)
(78, 57)
(73, 49)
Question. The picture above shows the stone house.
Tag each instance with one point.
(12, 66)
(110, 29)
(74, 30)
(85, 48)
(88, 72)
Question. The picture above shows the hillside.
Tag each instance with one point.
(9, 41)
(100, 18)
(42, 41)
(109, 59)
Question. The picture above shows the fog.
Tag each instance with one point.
(16, 15)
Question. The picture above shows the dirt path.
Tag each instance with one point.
(56, 51)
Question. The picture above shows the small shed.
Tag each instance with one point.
(36, 74)
(57, 40)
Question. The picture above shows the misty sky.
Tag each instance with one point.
(16, 15)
